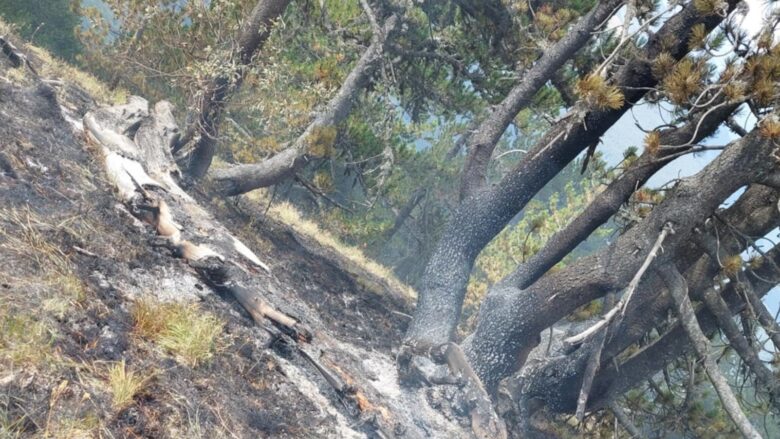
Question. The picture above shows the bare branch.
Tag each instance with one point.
(321, 131)
(740, 344)
(484, 140)
(679, 289)
(623, 303)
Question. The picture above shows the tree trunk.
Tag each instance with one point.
(482, 216)
(251, 37)
(319, 134)
(510, 319)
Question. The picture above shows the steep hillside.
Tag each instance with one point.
(104, 332)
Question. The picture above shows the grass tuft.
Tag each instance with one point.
(183, 330)
(125, 385)
(149, 318)
(24, 340)
(288, 214)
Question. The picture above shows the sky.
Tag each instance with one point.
(625, 133)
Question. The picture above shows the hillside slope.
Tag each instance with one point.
(106, 333)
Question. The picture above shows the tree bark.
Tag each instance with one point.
(482, 143)
(244, 178)
(251, 37)
(482, 216)
(511, 318)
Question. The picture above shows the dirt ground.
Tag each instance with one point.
(74, 263)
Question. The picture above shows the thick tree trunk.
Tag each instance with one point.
(482, 216)
(253, 34)
(319, 134)
(511, 319)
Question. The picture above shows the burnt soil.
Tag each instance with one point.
(57, 210)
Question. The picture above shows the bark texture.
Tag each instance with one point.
(480, 217)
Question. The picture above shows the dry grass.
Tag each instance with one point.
(77, 428)
(51, 67)
(183, 330)
(22, 232)
(149, 318)
(10, 427)
(288, 214)
(25, 237)
(24, 340)
(125, 385)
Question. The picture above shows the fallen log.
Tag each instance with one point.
(136, 144)
(17, 58)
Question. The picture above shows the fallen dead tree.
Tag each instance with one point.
(150, 192)
(136, 144)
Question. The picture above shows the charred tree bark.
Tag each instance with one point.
(319, 134)
(205, 127)
(482, 143)
(511, 318)
(482, 216)
(555, 382)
